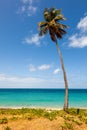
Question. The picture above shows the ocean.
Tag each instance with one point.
(42, 98)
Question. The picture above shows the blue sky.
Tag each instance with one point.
(27, 60)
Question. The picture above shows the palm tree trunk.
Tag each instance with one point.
(65, 78)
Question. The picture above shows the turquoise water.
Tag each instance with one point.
(45, 98)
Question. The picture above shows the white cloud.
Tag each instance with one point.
(18, 81)
(31, 9)
(27, 7)
(9, 81)
(79, 39)
(56, 71)
(24, 1)
(23, 8)
(34, 39)
(27, 1)
(2, 77)
(32, 68)
(82, 25)
(44, 67)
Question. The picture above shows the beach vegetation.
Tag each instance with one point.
(7, 128)
(67, 121)
(77, 122)
(14, 118)
(83, 118)
(56, 30)
(50, 115)
(74, 111)
(29, 117)
(67, 126)
(4, 120)
(68, 118)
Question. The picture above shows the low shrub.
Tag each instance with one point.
(14, 118)
(67, 126)
(7, 128)
(78, 122)
(29, 117)
(3, 120)
(51, 115)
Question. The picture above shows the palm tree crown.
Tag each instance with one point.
(52, 24)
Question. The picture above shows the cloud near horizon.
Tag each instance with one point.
(9, 81)
(79, 40)
(18, 81)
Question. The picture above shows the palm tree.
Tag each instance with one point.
(56, 30)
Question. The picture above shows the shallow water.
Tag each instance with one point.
(45, 98)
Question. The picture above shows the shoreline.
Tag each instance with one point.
(46, 108)
(21, 107)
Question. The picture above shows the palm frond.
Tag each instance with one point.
(43, 31)
(47, 14)
(55, 11)
(59, 25)
(41, 24)
(52, 34)
(59, 17)
(50, 14)
(60, 32)
(58, 11)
